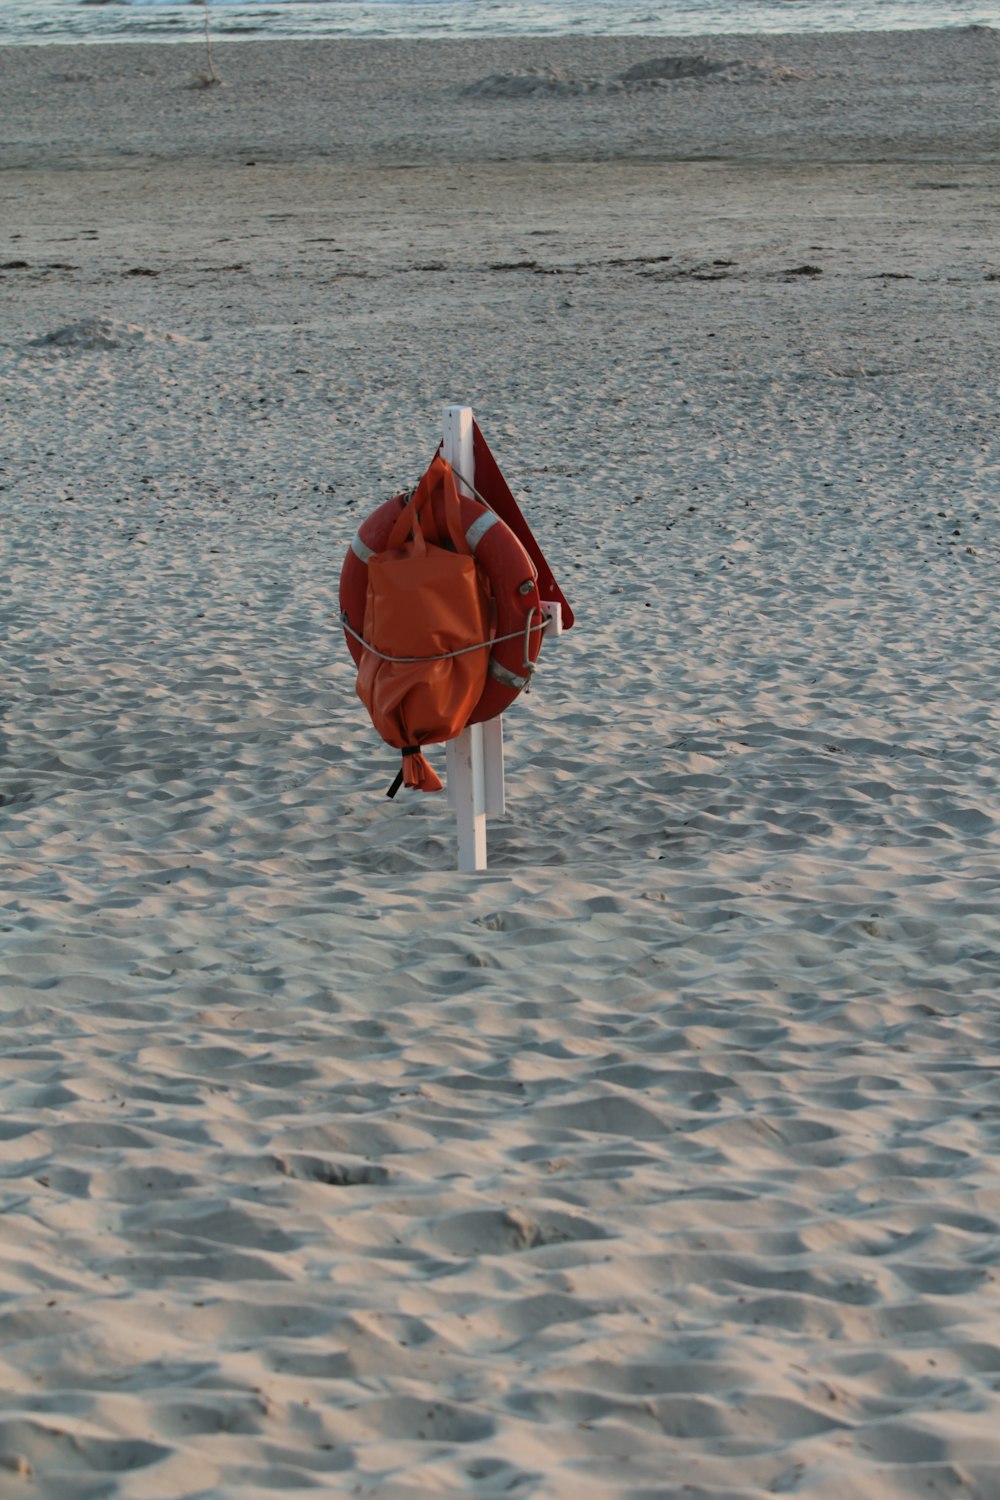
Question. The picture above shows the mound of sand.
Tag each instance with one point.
(532, 82)
(654, 73)
(669, 69)
(102, 333)
(673, 69)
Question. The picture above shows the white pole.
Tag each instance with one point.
(474, 759)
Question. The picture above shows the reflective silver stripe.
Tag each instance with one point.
(509, 679)
(479, 528)
(361, 549)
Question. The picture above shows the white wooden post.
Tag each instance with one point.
(474, 760)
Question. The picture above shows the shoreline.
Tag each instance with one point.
(513, 38)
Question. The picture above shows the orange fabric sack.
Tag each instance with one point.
(426, 600)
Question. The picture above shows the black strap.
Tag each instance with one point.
(407, 750)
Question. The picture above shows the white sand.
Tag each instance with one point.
(659, 1161)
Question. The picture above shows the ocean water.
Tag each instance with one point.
(32, 21)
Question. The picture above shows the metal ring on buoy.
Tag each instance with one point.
(513, 585)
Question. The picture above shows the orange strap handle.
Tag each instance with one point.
(417, 516)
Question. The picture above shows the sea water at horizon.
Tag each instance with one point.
(32, 21)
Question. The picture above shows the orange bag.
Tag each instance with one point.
(427, 604)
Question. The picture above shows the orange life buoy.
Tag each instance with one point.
(513, 582)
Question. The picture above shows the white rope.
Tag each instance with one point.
(445, 655)
(467, 483)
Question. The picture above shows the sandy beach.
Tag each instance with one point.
(660, 1159)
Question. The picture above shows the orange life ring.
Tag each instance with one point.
(513, 582)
